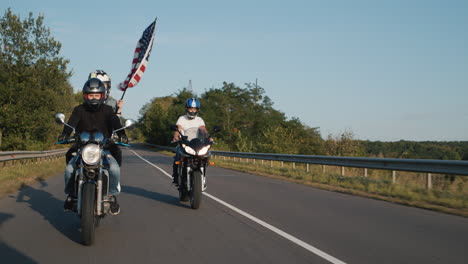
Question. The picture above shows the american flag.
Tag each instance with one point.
(140, 57)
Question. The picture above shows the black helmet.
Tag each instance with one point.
(94, 85)
(192, 103)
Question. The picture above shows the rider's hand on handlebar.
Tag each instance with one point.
(123, 139)
(62, 137)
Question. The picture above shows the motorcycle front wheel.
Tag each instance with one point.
(196, 191)
(88, 218)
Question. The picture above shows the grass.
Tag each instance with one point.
(449, 194)
(12, 178)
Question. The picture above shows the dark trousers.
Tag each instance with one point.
(176, 158)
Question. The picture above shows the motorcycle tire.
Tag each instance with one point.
(88, 219)
(196, 192)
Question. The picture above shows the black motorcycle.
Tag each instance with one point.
(191, 168)
(91, 177)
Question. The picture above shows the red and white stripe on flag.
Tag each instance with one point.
(140, 57)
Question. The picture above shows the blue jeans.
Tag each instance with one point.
(114, 175)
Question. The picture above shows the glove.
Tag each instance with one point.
(62, 137)
(123, 139)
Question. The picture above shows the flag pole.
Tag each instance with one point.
(121, 98)
(134, 70)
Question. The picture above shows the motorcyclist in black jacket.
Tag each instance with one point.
(92, 116)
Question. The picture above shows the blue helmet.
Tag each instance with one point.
(192, 103)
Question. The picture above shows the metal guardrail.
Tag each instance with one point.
(415, 165)
(9, 153)
(12, 156)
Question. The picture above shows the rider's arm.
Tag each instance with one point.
(176, 134)
(203, 130)
(115, 121)
(119, 107)
(73, 121)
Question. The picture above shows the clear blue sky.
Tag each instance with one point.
(386, 70)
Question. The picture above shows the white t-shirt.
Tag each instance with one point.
(190, 127)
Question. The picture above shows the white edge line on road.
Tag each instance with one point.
(289, 237)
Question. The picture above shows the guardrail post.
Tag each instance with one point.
(282, 163)
(323, 168)
(393, 176)
(271, 163)
(262, 162)
(294, 165)
(342, 170)
(429, 181)
(365, 172)
(308, 167)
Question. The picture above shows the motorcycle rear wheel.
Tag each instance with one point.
(88, 219)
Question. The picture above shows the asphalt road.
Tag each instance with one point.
(243, 219)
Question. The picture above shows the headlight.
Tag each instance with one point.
(203, 150)
(91, 154)
(84, 137)
(190, 150)
(98, 137)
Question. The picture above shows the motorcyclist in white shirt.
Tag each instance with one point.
(191, 125)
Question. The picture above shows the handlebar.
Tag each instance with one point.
(106, 141)
(122, 144)
(68, 141)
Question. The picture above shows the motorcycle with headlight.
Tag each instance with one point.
(194, 159)
(91, 177)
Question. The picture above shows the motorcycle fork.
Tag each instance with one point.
(202, 169)
(188, 178)
(99, 192)
(80, 188)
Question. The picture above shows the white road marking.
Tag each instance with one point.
(289, 237)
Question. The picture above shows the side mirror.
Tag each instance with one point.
(216, 129)
(130, 123)
(60, 118)
(174, 127)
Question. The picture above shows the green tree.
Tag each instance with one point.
(343, 145)
(248, 121)
(34, 83)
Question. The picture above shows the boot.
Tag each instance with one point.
(175, 175)
(70, 203)
(114, 206)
